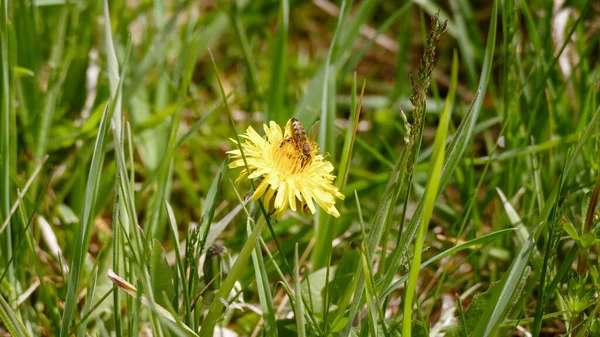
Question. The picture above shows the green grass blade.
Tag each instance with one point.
(234, 15)
(323, 222)
(10, 320)
(179, 261)
(82, 239)
(276, 108)
(500, 303)
(117, 261)
(299, 313)
(469, 244)
(348, 147)
(161, 275)
(431, 193)
(57, 78)
(370, 294)
(382, 216)
(455, 150)
(239, 266)
(6, 111)
(264, 291)
(81, 329)
(210, 204)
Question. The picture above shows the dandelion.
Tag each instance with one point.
(288, 168)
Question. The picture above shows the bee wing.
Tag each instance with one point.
(313, 133)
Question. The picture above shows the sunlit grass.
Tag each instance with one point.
(467, 162)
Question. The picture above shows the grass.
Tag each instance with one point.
(474, 150)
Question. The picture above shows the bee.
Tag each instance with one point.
(300, 139)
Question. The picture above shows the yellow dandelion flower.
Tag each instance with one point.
(290, 171)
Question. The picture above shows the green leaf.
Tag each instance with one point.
(313, 287)
(472, 243)
(474, 313)
(82, 240)
(276, 109)
(419, 329)
(88, 304)
(370, 295)
(210, 203)
(430, 196)
(570, 229)
(264, 290)
(10, 320)
(510, 287)
(161, 275)
(588, 240)
(299, 308)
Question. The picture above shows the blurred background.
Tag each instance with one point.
(273, 58)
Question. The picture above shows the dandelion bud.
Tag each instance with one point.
(216, 266)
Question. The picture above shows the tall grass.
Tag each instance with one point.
(471, 185)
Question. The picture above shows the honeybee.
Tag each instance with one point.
(301, 141)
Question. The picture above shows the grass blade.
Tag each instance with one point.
(323, 227)
(6, 112)
(276, 107)
(494, 314)
(475, 242)
(81, 329)
(82, 240)
(431, 193)
(264, 291)
(370, 294)
(454, 151)
(10, 320)
(155, 307)
(214, 312)
(299, 313)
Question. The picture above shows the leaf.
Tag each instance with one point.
(511, 284)
(88, 304)
(342, 286)
(210, 203)
(570, 229)
(299, 308)
(279, 64)
(264, 290)
(370, 294)
(313, 287)
(419, 329)
(161, 275)
(431, 192)
(82, 240)
(10, 320)
(474, 312)
(587, 240)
